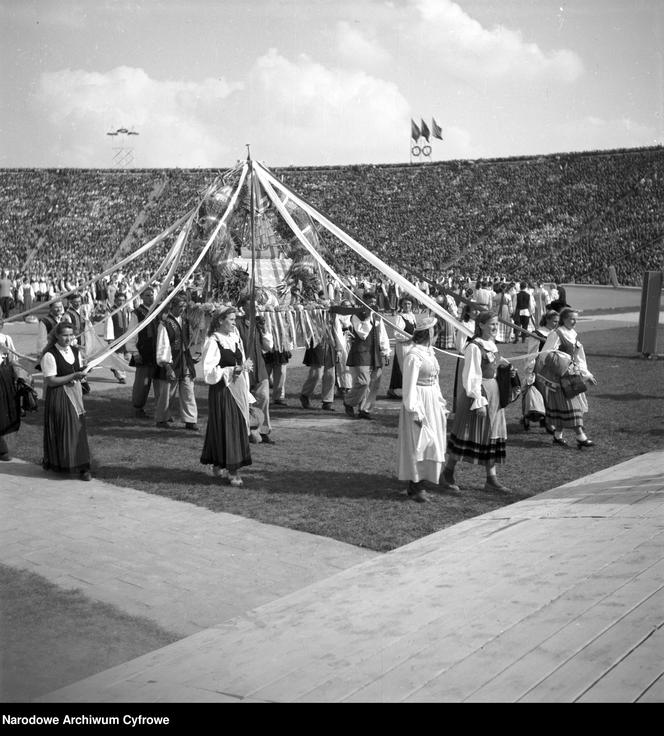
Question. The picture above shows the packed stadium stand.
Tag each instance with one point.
(561, 218)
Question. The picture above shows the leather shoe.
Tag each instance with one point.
(495, 485)
(584, 443)
(164, 425)
(560, 441)
(304, 400)
(267, 440)
(190, 425)
(5, 457)
(85, 475)
(447, 481)
(416, 492)
(365, 415)
(140, 414)
(327, 406)
(350, 411)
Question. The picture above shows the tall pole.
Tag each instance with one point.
(252, 230)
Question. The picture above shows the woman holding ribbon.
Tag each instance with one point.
(226, 444)
(65, 435)
(479, 433)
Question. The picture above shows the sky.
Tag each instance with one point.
(324, 82)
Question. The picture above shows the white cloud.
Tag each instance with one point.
(313, 112)
(358, 49)
(177, 121)
(460, 45)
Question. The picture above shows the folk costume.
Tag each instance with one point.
(143, 350)
(421, 452)
(226, 443)
(479, 439)
(368, 352)
(561, 411)
(173, 340)
(321, 360)
(65, 435)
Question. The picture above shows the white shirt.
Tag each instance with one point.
(212, 371)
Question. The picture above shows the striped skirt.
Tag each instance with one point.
(475, 439)
(561, 411)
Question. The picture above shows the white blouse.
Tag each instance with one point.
(472, 370)
(212, 371)
(553, 342)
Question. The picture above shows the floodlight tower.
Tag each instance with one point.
(123, 156)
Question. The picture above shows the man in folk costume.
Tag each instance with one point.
(143, 350)
(176, 371)
(47, 324)
(523, 310)
(369, 352)
(116, 325)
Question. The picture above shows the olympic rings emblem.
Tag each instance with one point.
(421, 151)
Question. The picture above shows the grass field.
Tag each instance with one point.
(332, 476)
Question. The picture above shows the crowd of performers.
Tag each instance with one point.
(244, 352)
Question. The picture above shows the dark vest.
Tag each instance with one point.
(489, 367)
(49, 323)
(146, 342)
(64, 368)
(522, 300)
(78, 323)
(119, 323)
(566, 346)
(365, 352)
(179, 340)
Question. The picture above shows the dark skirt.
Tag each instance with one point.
(475, 439)
(396, 378)
(65, 435)
(277, 358)
(226, 443)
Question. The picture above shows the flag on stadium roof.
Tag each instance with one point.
(425, 130)
(415, 133)
(437, 130)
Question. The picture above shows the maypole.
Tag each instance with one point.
(252, 230)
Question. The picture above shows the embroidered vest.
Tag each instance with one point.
(365, 352)
(179, 340)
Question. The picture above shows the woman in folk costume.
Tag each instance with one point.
(562, 412)
(405, 321)
(532, 402)
(479, 432)
(65, 435)
(423, 415)
(226, 444)
(504, 310)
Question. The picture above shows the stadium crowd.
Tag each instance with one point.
(557, 218)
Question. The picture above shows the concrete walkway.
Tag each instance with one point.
(182, 566)
(557, 598)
